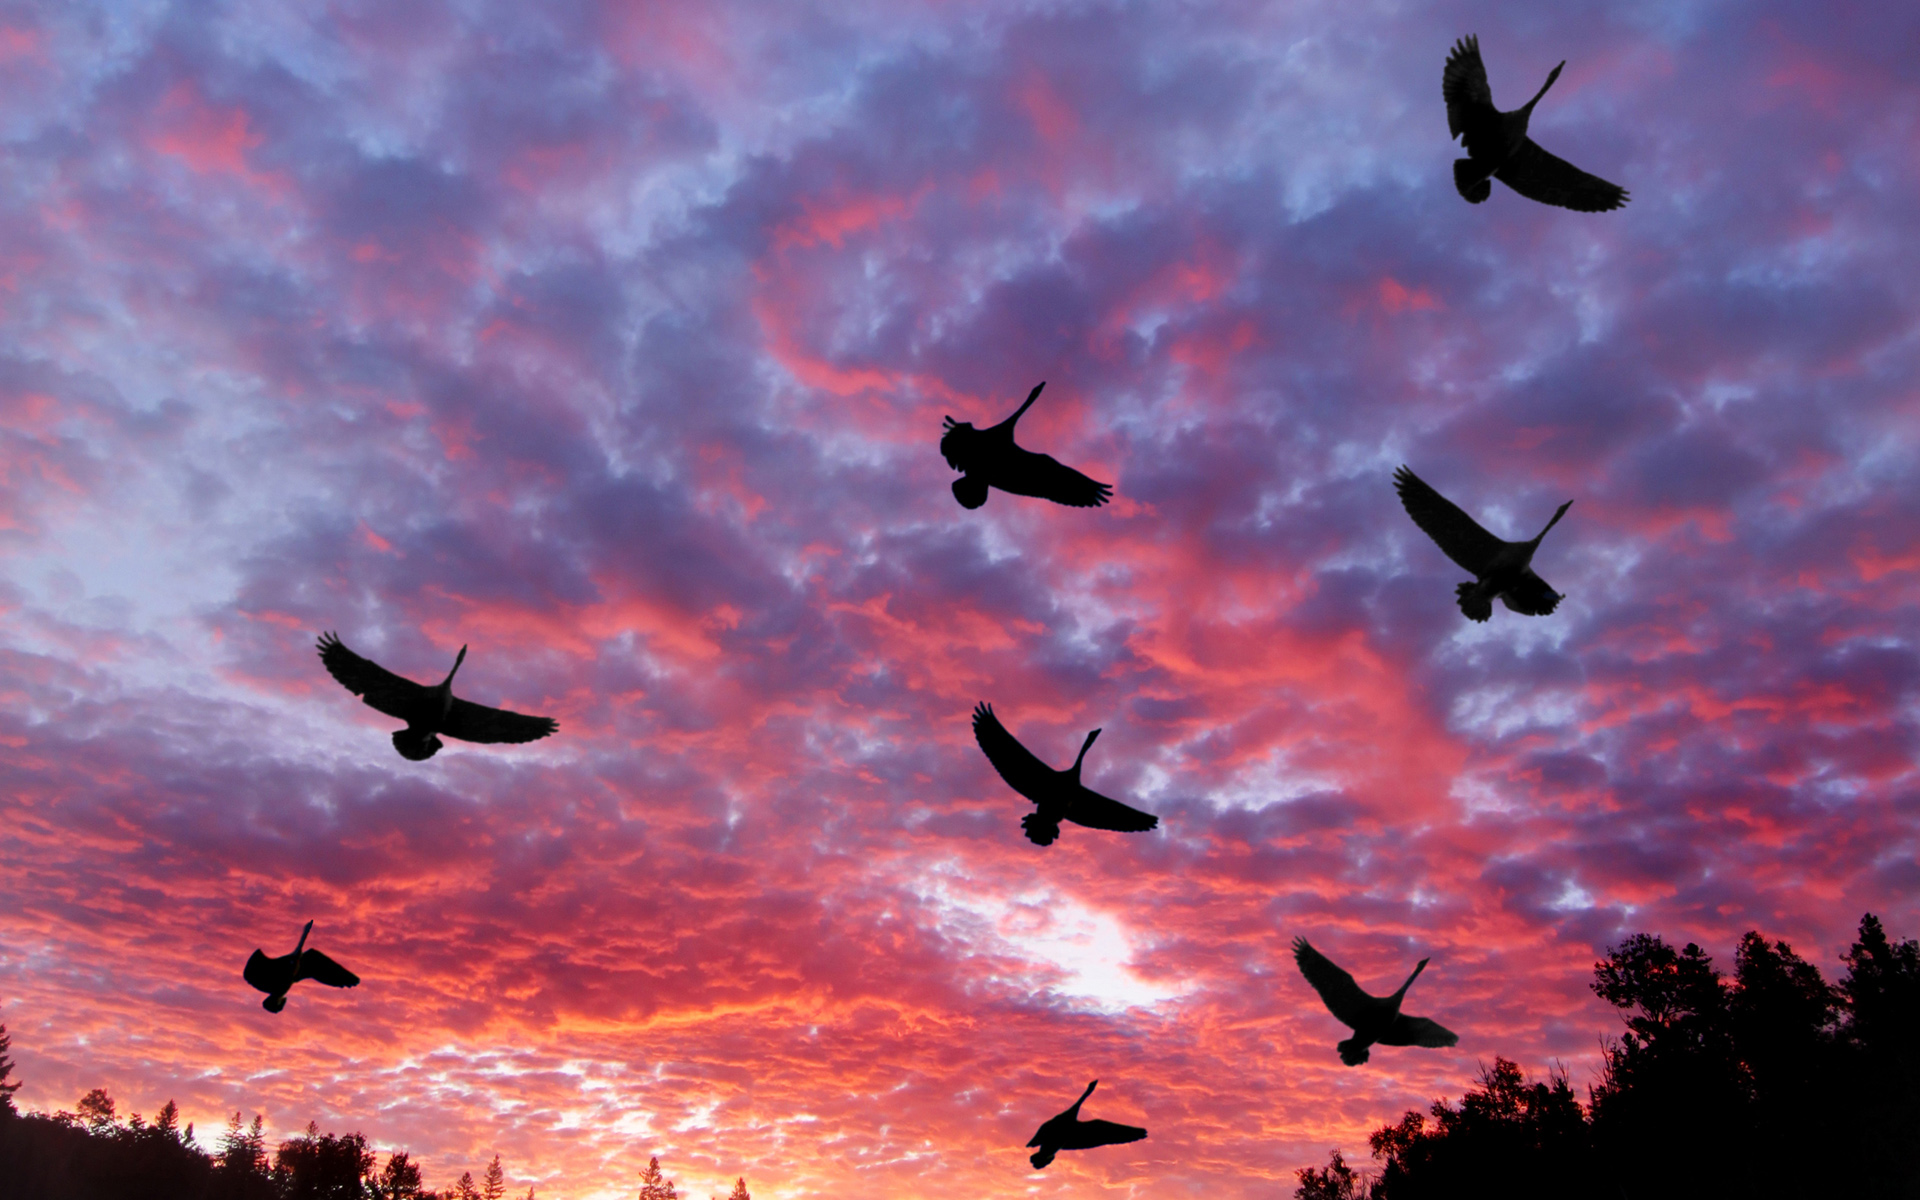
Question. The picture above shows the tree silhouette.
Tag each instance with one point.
(1881, 995)
(654, 1185)
(318, 1166)
(464, 1190)
(493, 1185)
(8, 1086)
(1335, 1181)
(1767, 1082)
(1505, 1133)
(739, 1191)
(96, 1111)
(399, 1179)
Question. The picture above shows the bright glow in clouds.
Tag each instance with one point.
(612, 340)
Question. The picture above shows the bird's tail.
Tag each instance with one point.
(1473, 180)
(970, 491)
(1041, 831)
(1476, 606)
(1353, 1052)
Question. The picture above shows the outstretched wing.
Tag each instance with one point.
(1464, 84)
(321, 969)
(1531, 596)
(1338, 991)
(260, 972)
(1106, 1133)
(472, 722)
(1456, 533)
(1047, 478)
(1095, 811)
(1023, 772)
(1418, 1031)
(373, 683)
(1540, 176)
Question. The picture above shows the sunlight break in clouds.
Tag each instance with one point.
(613, 341)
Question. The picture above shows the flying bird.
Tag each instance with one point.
(989, 458)
(1500, 568)
(1498, 146)
(1373, 1018)
(1060, 794)
(428, 711)
(1068, 1132)
(276, 976)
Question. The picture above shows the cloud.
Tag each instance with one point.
(614, 344)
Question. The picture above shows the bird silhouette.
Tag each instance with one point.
(990, 458)
(1500, 568)
(1498, 146)
(1375, 1019)
(276, 976)
(428, 711)
(1068, 1132)
(1060, 794)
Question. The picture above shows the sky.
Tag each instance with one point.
(612, 340)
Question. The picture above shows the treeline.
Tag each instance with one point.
(92, 1154)
(1772, 1082)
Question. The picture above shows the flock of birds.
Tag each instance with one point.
(1497, 147)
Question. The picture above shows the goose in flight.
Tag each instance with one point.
(1500, 568)
(989, 458)
(1068, 1132)
(1060, 794)
(428, 711)
(1498, 146)
(276, 976)
(1373, 1018)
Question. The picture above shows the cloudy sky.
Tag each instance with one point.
(613, 339)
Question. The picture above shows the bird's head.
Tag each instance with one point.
(274, 1003)
(415, 746)
(1084, 747)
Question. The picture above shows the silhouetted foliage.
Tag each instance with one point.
(7, 1089)
(1766, 1083)
(654, 1185)
(398, 1180)
(739, 1191)
(1507, 1132)
(493, 1185)
(317, 1166)
(1335, 1181)
(464, 1188)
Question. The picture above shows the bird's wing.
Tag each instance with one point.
(1023, 772)
(1456, 533)
(373, 683)
(1538, 175)
(1107, 1133)
(956, 443)
(1046, 477)
(1418, 1031)
(260, 973)
(1531, 596)
(321, 969)
(1464, 84)
(1095, 811)
(1341, 994)
(472, 722)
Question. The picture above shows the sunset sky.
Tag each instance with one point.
(613, 340)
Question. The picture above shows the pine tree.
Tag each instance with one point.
(464, 1190)
(739, 1191)
(7, 1089)
(399, 1179)
(493, 1186)
(654, 1185)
